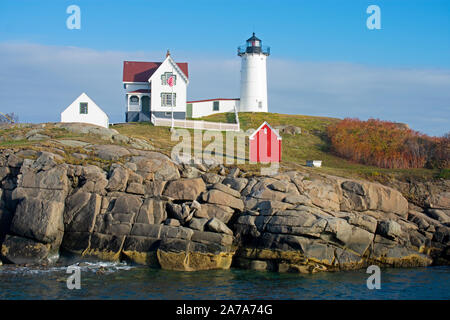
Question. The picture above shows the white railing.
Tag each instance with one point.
(195, 124)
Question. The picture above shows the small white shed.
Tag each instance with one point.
(85, 110)
(314, 163)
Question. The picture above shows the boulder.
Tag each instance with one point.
(219, 197)
(141, 250)
(190, 172)
(298, 199)
(438, 215)
(237, 184)
(38, 219)
(207, 210)
(278, 186)
(37, 137)
(363, 196)
(80, 216)
(127, 203)
(176, 232)
(198, 223)
(363, 221)
(153, 211)
(261, 191)
(212, 237)
(288, 129)
(105, 247)
(4, 171)
(76, 242)
(440, 200)
(20, 250)
(234, 172)
(85, 128)
(135, 188)
(146, 230)
(110, 152)
(184, 255)
(324, 193)
(118, 179)
(226, 189)
(218, 226)
(389, 229)
(54, 178)
(172, 223)
(177, 211)
(185, 189)
(212, 178)
(156, 166)
(154, 188)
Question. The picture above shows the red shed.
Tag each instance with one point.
(265, 145)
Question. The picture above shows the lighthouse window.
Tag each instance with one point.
(254, 43)
(216, 106)
(166, 99)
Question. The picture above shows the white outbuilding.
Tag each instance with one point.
(85, 110)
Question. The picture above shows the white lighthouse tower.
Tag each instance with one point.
(253, 76)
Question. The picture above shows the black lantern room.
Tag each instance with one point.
(253, 45)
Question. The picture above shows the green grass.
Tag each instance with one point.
(444, 174)
(311, 144)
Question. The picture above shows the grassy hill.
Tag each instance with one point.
(311, 144)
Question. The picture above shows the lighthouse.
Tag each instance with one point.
(253, 76)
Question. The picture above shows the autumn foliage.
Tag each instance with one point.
(388, 144)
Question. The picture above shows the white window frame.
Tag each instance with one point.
(166, 99)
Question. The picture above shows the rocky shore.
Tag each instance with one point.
(147, 209)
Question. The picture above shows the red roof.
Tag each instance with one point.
(137, 71)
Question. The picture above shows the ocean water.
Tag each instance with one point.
(101, 280)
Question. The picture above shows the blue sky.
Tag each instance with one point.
(324, 60)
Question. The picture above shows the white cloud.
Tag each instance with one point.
(39, 81)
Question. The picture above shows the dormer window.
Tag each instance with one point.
(83, 108)
(166, 76)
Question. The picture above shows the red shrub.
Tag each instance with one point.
(387, 144)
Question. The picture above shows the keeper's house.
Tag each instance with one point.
(148, 92)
